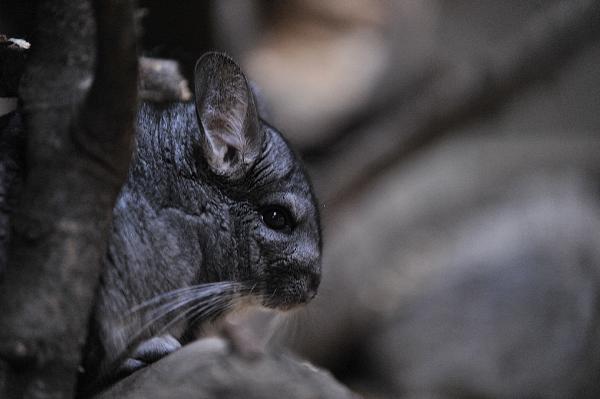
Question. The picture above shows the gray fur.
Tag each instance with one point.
(182, 220)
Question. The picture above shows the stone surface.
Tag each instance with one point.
(206, 369)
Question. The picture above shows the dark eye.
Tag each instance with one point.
(276, 217)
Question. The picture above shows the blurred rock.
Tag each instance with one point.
(161, 81)
(513, 312)
(206, 369)
(416, 227)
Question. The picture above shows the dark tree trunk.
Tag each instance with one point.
(77, 153)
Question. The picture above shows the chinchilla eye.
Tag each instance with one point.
(276, 217)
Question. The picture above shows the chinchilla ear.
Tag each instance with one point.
(227, 116)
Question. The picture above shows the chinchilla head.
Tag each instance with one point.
(272, 212)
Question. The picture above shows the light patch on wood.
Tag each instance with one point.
(7, 104)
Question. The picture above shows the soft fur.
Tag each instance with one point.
(190, 213)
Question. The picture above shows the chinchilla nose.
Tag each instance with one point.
(308, 260)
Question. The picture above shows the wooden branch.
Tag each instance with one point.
(75, 166)
(115, 79)
(457, 94)
(13, 53)
(160, 80)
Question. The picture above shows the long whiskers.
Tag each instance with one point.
(202, 311)
(205, 288)
(198, 302)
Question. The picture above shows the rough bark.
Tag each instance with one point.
(160, 80)
(12, 62)
(77, 154)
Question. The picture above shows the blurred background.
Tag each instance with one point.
(454, 148)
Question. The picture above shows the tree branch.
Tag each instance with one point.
(12, 62)
(115, 79)
(61, 223)
(457, 94)
(160, 80)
